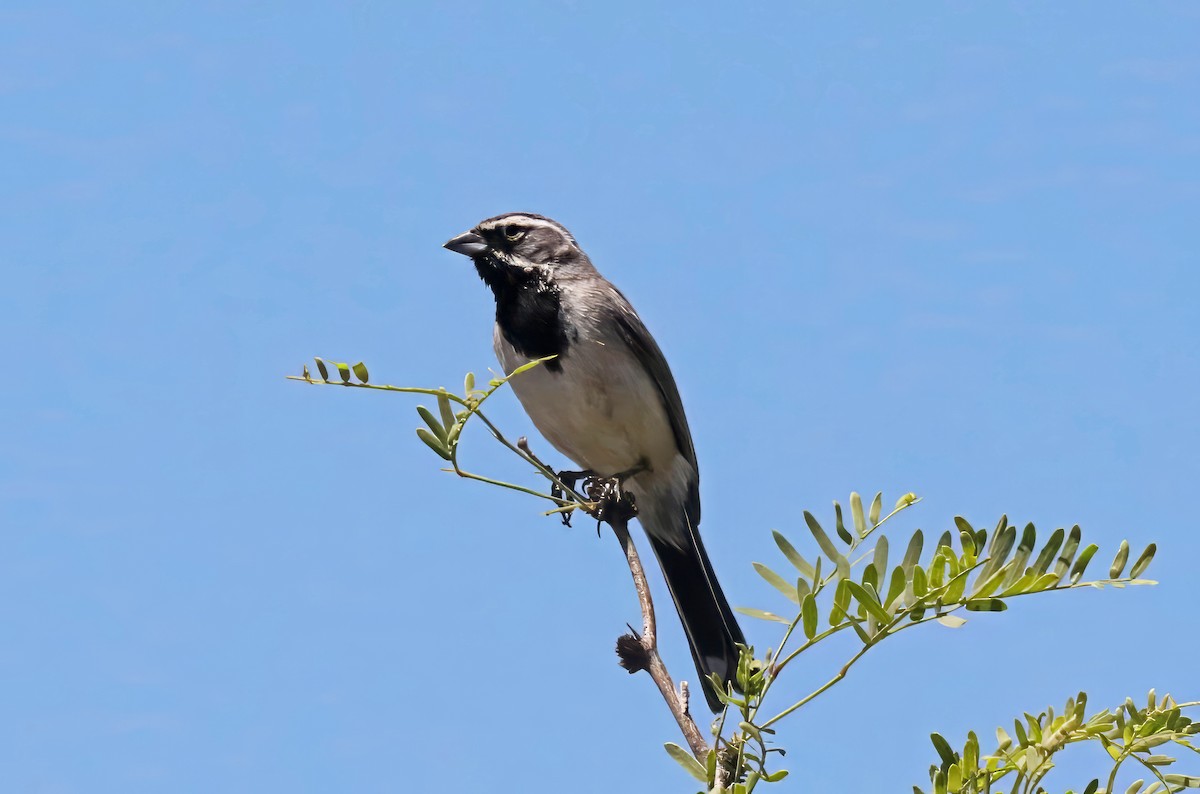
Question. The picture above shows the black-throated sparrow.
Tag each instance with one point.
(608, 402)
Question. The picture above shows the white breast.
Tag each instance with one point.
(602, 409)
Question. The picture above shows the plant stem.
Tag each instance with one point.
(500, 483)
(649, 641)
(824, 687)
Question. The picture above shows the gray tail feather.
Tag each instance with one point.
(712, 630)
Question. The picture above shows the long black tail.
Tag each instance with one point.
(711, 628)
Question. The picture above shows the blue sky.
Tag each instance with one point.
(946, 248)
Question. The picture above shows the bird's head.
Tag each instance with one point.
(518, 246)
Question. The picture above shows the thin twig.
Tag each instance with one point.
(649, 641)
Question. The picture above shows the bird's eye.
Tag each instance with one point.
(513, 233)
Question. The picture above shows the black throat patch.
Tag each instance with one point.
(528, 310)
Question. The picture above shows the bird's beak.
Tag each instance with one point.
(468, 244)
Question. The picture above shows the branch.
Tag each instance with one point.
(651, 662)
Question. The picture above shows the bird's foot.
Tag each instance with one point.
(612, 502)
(568, 478)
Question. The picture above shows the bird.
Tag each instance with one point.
(606, 400)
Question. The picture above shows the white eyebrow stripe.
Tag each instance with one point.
(525, 220)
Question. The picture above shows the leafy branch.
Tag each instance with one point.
(443, 432)
(844, 590)
(1127, 733)
(981, 575)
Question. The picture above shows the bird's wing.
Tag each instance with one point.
(635, 335)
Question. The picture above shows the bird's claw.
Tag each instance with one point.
(568, 478)
(612, 502)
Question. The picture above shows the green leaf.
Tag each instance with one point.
(920, 582)
(750, 729)
(943, 749)
(985, 587)
(823, 540)
(808, 615)
(867, 600)
(970, 756)
(762, 614)
(956, 582)
(360, 371)
(1143, 561)
(445, 410)
(776, 776)
(842, 532)
(1001, 525)
(842, 565)
(913, 552)
(321, 368)
(954, 778)
(896, 587)
(1046, 556)
(528, 366)
(434, 425)
(469, 383)
(986, 605)
(905, 501)
(1035, 729)
(778, 582)
(856, 512)
(304, 372)
(870, 577)
(880, 560)
(873, 591)
(718, 688)
(1021, 585)
(841, 603)
(876, 509)
(1093, 786)
(687, 761)
(433, 442)
(1024, 550)
(1001, 545)
(343, 371)
(1081, 564)
(452, 433)
(937, 570)
(952, 621)
(1044, 581)
(1119, 561)
(1068, 553)
(794, 557)
(1185, 781)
